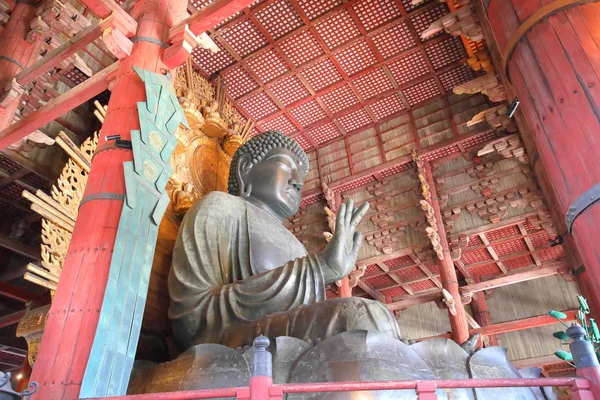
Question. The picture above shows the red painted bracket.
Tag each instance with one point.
(114, 36)
(11, 92)
(182, 42)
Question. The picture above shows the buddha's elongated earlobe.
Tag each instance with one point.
(242, 170)
(245, 190)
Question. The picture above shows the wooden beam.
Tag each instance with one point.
(522, 324)
(212, 15)
(27, 163)
(19, 293)
(58, 106)
(536, 361)
(408, 158)
(67, 49)
(371, 292)
(425, 270)
(395, 278)
(12, 319)
(28, 251)
(493, 253)
(529, 244)
(513, 326)
(11, 178)
(104, 8)
(510, 279)
(421, 298)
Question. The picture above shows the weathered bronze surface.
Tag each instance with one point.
(237, 272)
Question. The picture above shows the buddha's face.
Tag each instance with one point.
(276, 182)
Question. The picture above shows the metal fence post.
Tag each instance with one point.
(586, 362)
(261, 382)
(426, 391)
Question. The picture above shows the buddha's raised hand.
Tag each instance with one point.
(341, 252)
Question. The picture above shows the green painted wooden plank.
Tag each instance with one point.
(128, 293)
(98, 354)
(117, 335)
(130, 186)
(160, 208)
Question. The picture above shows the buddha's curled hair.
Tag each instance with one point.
(258, 147)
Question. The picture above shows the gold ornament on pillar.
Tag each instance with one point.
(426, 206)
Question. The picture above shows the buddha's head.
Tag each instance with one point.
(269, 171)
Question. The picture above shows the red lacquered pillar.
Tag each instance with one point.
(448, 278)
(16, 54)
(73, 318)
(552, 59)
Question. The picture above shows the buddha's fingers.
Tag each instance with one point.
(349, 211)
(341, 219)
(358, 215)
(357, 242)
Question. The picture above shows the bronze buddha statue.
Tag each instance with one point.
(237, 272)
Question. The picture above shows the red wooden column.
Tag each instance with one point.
(552, 59)
(73, 318)
(345, 290)
(15, 55)
(481, 314)
(458, 316)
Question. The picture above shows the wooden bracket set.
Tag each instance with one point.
(114, 36)
(537, 17)
(583, 202)
(182, 41)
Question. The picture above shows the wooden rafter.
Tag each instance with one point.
(529, 244)
(21, 248)
(395, 277)
(548, 269)
(516, 325)
(492, 253)
(58, 106)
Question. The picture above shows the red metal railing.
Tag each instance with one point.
(586, 386)
(262, 388)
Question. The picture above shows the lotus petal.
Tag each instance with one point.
(447, 360)
(542, 393)
(491, 363)
(360, 355)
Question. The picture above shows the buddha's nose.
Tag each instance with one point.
(296, 184)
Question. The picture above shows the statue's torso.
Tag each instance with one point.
(271, 244)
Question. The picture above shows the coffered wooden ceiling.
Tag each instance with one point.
(322, 70)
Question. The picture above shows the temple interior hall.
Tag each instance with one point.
(471, 127)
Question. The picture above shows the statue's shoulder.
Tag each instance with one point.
(218, 204)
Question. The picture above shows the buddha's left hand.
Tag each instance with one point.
(340, 254)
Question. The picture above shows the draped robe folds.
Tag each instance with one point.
(237, 272)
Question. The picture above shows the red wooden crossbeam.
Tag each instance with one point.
(104, 8)
(58, 106)
(21, 248)
(522, 324)
(19, 293)
(56, 56)
(212, 15)
(510, 279)
(11, 319)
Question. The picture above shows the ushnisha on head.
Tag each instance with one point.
(269, 171)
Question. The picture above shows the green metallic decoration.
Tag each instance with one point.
(111, 359)
(592, 333)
